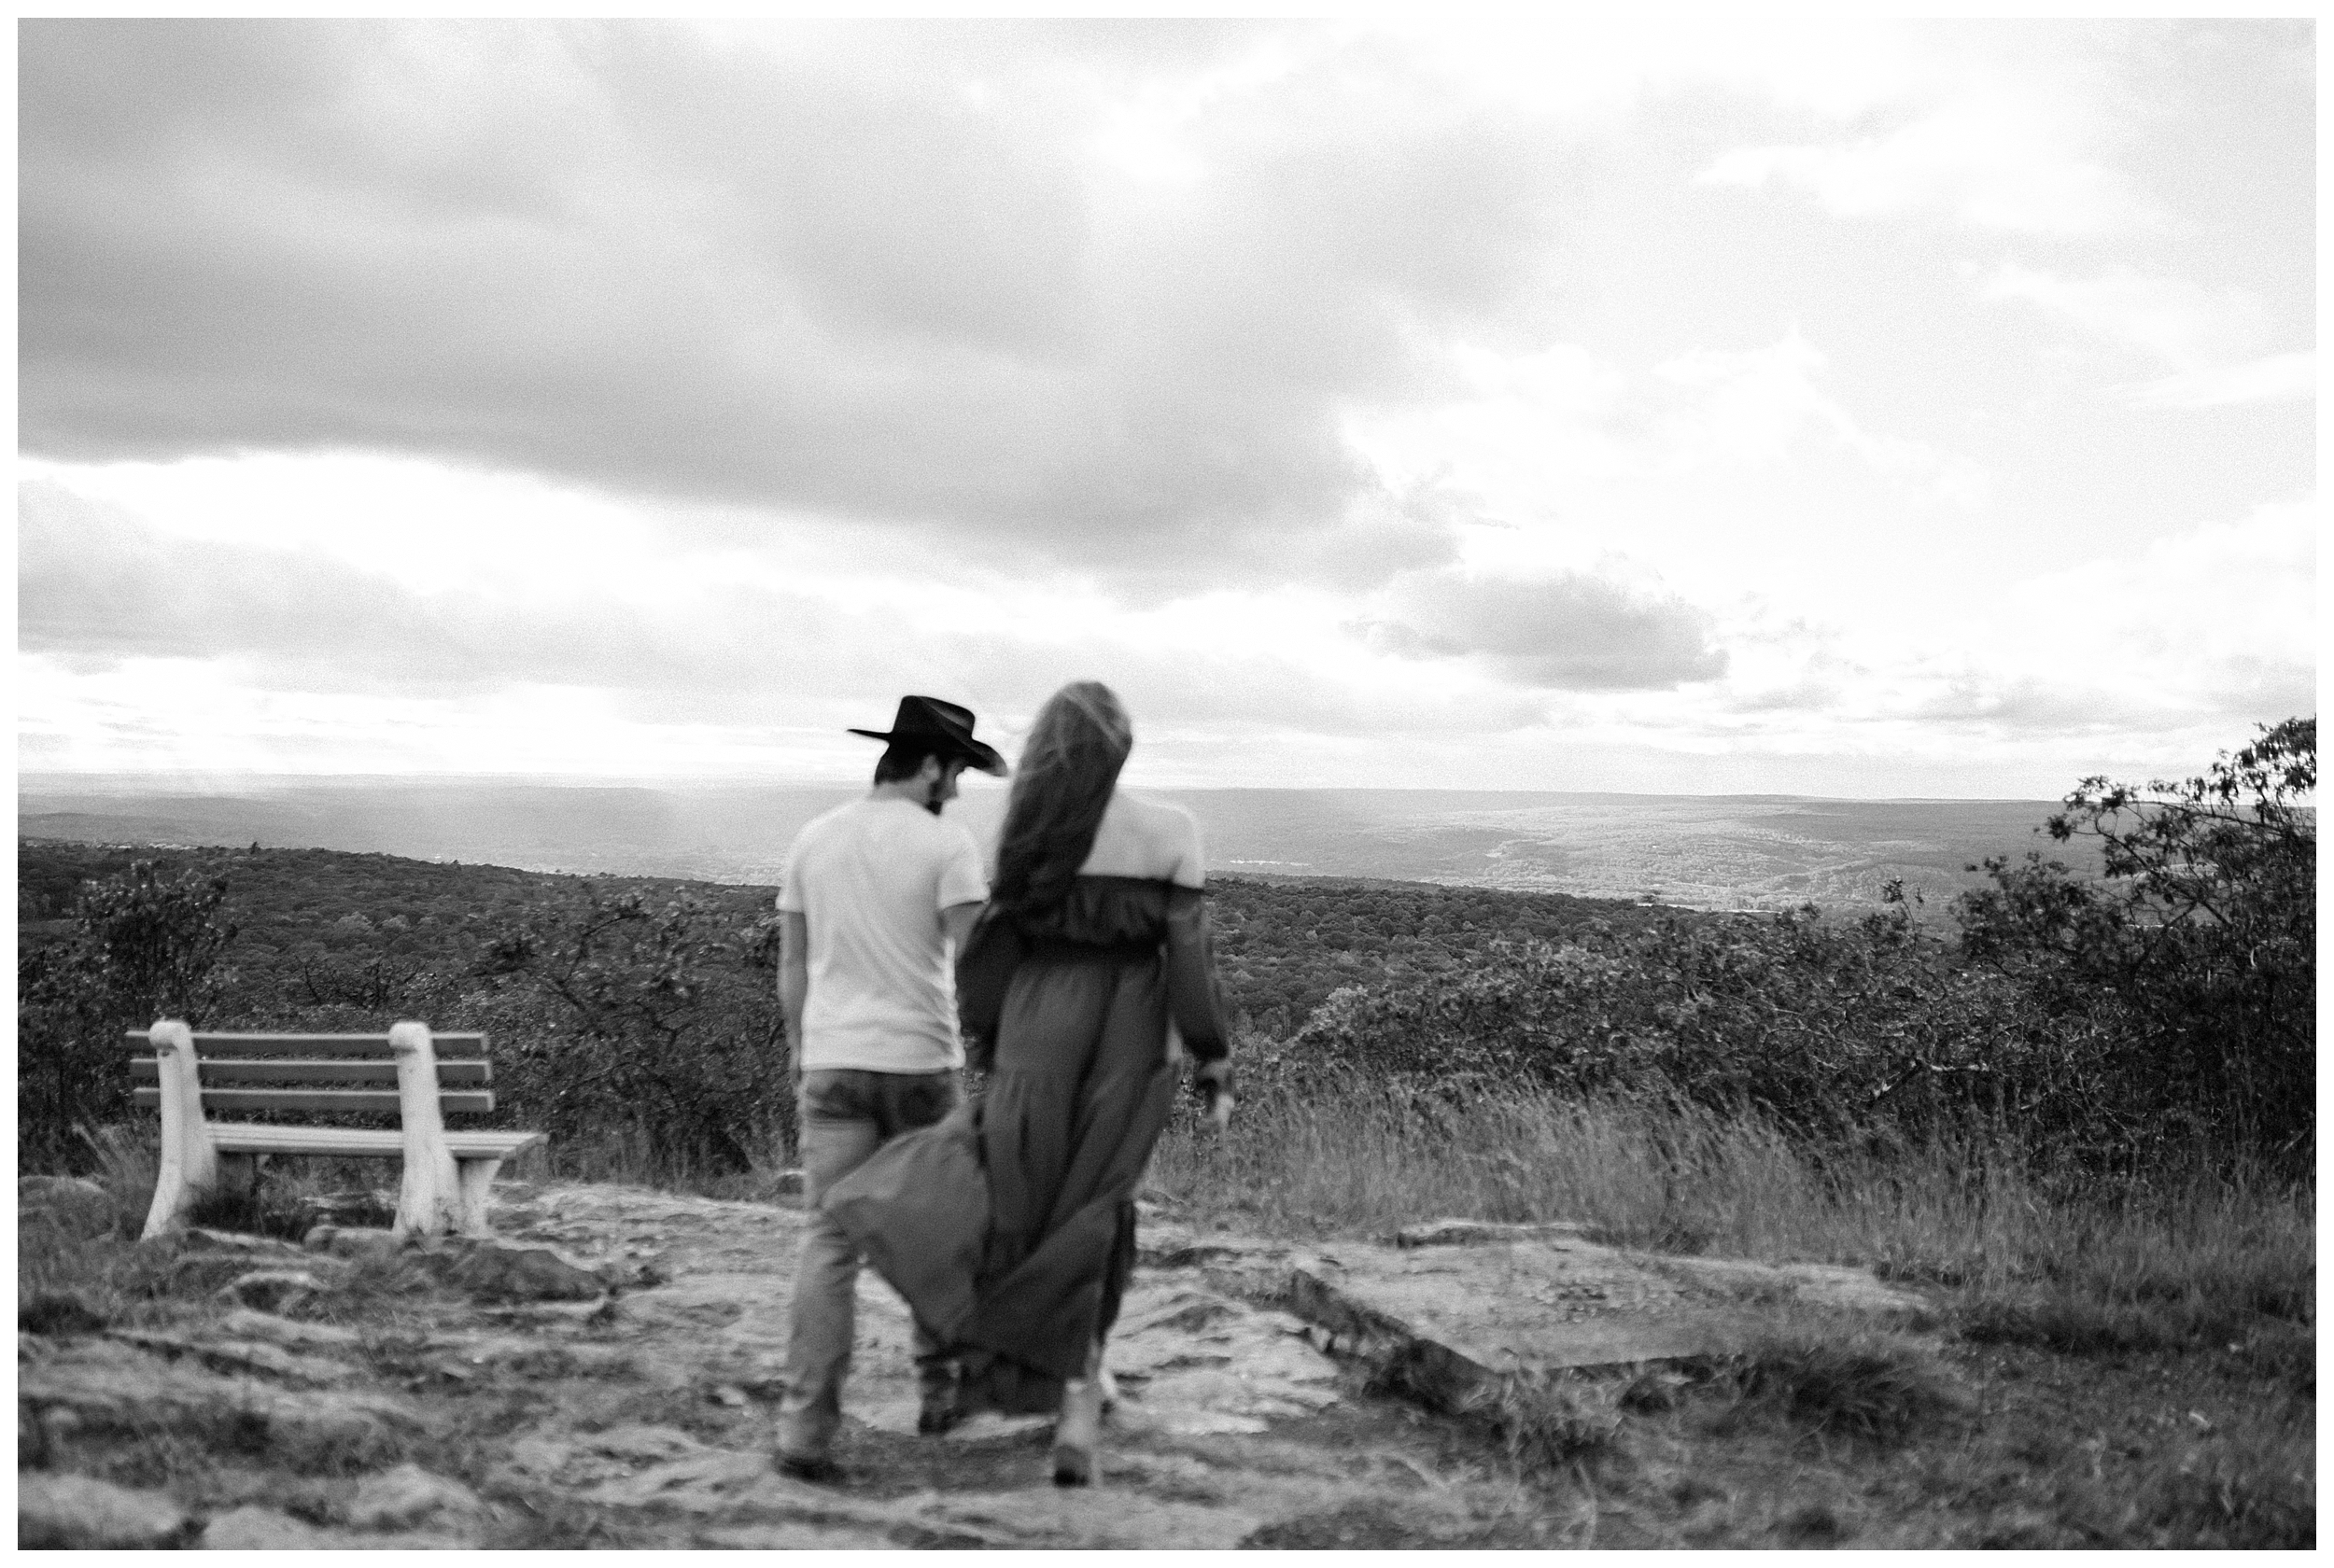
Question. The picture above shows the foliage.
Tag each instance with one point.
(142, 944)
(158, 941)
(1823, 1028)
(2107, 1023)
(338, 941)
(333, 942)
(71, 1068)
(666, 1016)
(1842, 1378)
(1284, 945)
(2202, 937)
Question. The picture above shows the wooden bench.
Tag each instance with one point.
(447, 1173)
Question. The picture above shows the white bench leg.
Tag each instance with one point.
(190, 1164)
(477, 1177)
(428, 1203)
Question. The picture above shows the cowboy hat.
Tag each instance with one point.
(943, 727)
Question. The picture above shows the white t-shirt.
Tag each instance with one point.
(870, 879)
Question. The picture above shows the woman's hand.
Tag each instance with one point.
(1213, 1080)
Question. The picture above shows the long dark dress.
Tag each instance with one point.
(1079, 1090)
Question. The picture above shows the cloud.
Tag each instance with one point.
(2244, 589)
(1566, 432)
(1751, 407)
(96, 587)
(886, 275)
(2214, 628)
(99, 591)
(2172, 319)
(1992, 161)
(1572, 632)
(2275, 378)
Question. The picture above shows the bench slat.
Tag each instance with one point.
(245, 1138)
(316, 1044)
(146, 1070)
(317, 1100)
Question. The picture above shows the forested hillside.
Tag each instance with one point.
(2167, 1007)
(319, 927)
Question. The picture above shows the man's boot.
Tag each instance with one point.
(940, 1405)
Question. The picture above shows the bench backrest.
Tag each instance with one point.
(312, 1072)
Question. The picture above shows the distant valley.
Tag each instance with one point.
(1703, 852)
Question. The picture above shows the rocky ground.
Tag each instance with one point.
(605, 1374)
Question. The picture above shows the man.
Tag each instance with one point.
(877, 896)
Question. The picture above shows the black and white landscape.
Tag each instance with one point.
(1558, 492)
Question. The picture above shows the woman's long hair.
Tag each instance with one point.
(1060, 787)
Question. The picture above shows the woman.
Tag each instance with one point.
(1102, 892)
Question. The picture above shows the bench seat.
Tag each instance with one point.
(246, 1138)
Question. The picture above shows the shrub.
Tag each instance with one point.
(1823, 1028)
(620, 1015)
(143, 945)
(1843, 1380)
(2111, 1024)
(2202, 937)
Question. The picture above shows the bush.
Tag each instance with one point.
(618, 1016)
(1822, 1027)
(143, 945)
(2111, 1024)
(2203, 939)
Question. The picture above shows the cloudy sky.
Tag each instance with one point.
(1893, 410)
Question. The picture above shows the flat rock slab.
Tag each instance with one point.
(1190, 1360)
(112, 1386)
(1104, 1518)
(81, 1513)
(1455, 1316)
(1830, 1285)
(252, 1528)
(610, 1225)
(1468, 1233)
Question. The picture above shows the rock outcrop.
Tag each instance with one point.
(634, 1341)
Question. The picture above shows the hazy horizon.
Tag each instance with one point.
(1704, 851)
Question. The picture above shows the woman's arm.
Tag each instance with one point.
(1192, 1001)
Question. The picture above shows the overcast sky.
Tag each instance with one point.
(1912, 409)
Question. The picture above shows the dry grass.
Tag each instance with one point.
(2142, 1356)
(1842, 1378)
(1548, 1424)
(2196, 1256)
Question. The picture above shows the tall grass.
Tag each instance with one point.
(629, 1155)
(2182, 1256)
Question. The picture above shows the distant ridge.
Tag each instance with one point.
(1695, 851)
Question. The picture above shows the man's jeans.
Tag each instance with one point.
(846, 1116)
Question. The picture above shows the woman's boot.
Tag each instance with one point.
(1080, 1427)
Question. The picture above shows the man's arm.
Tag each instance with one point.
(956, 924)
(794, 982)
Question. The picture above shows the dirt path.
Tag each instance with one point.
(644, 1416)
